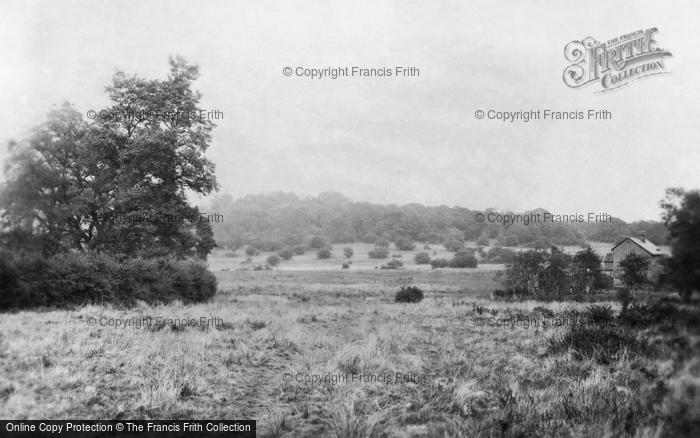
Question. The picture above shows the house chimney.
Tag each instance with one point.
(641, 235)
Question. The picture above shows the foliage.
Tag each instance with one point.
(273, 260)
(439, 263)
(510, 240)
(323, 253)
(599, 314)
(348, 252)
(299, 249)
(499, 254)
(682, 218)
(318, 242)
(378, 252)
(463, 259)
(286, 253)
(553, 273)
(422, 258)
(634, 270)
(288, 218)
(382, 242)
(453, 245)
(117, 184)
(251, 250)
(404, 244)
(409, 294)
(30, 280)
(393, 264)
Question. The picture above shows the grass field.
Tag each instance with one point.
(236, 260)
(329, 353)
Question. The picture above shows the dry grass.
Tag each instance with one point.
(457, 378)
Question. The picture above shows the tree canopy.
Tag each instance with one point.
(118, 183)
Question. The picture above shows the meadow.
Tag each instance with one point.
(327, 352)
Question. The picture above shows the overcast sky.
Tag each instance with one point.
(387, 140)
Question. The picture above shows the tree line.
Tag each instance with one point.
(273, 221)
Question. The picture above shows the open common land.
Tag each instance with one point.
(329, 353)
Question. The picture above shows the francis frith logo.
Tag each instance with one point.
(616, 62)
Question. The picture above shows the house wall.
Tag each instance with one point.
(624, 249)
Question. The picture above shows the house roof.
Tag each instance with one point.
(646, 245)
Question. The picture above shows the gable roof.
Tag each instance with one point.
(645, 245)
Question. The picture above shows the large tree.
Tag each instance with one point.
(682, 217)
(118, 183)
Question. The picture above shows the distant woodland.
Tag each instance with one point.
(272, 221)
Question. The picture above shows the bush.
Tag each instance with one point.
(378, 253)
(453, 245)
(404, 244)
(318, 242)
(439, 263)
(251, 250)
(370, 238)
(286, 253)
(422, 258)
(299, 249)
(500, 255)
(483, 241)
(409, 294)
(463, 259)
(348, 252)
(76, 279)
(511, 241)
(393, 264)
(382, 243)
(324, 253)
(273, 260)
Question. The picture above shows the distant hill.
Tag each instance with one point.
(272, 221)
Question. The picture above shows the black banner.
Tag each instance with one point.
(132, 428)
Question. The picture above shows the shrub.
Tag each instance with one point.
(404, 244)
(409, 294)
(422, 258)
(318, 242)
(286, 253)
(251, 250)
(463, 259)
(634, 270)
(348, 252)
(299, 249)
(324, 253)
(382, 243)
(439, 263)
(273, 260)
(76, 279)
(379, 253)
(453, 245)
(500, 254)
(370, 238)
(510, 241)
(482, 241)
(393, 264)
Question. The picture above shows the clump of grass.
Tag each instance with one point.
(601, 343)
(409, 294)
(257, 325)
(545, 312)
(600, 314)
(644, 315)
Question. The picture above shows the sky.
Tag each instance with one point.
(392, 139)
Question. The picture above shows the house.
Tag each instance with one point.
(638, 244)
